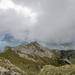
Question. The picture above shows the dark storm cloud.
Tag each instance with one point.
(55, 21)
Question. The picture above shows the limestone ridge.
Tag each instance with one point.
(33, 56)
(32, 48)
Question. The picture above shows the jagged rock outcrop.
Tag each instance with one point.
(7, 68)
(4, 71)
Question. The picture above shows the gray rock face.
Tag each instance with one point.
(7, 68)
(4, 71)
(34, 49)
(26, 57)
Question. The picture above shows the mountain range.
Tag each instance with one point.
(29, 59)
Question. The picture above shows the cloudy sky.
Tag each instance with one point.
(48, 21)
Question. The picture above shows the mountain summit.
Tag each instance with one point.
(32, 48)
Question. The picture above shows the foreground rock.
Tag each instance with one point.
(4, 71)
(7, 68)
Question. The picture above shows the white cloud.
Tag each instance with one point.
(22, 10)
(23, 20)
(6, 4)
(16, 19)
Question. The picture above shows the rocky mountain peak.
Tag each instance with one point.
(35, 44)
(35, 49)
(32, 48)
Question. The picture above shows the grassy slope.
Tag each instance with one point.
(63, 70)
(72, 60)
(28, 66)
(20, 62)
